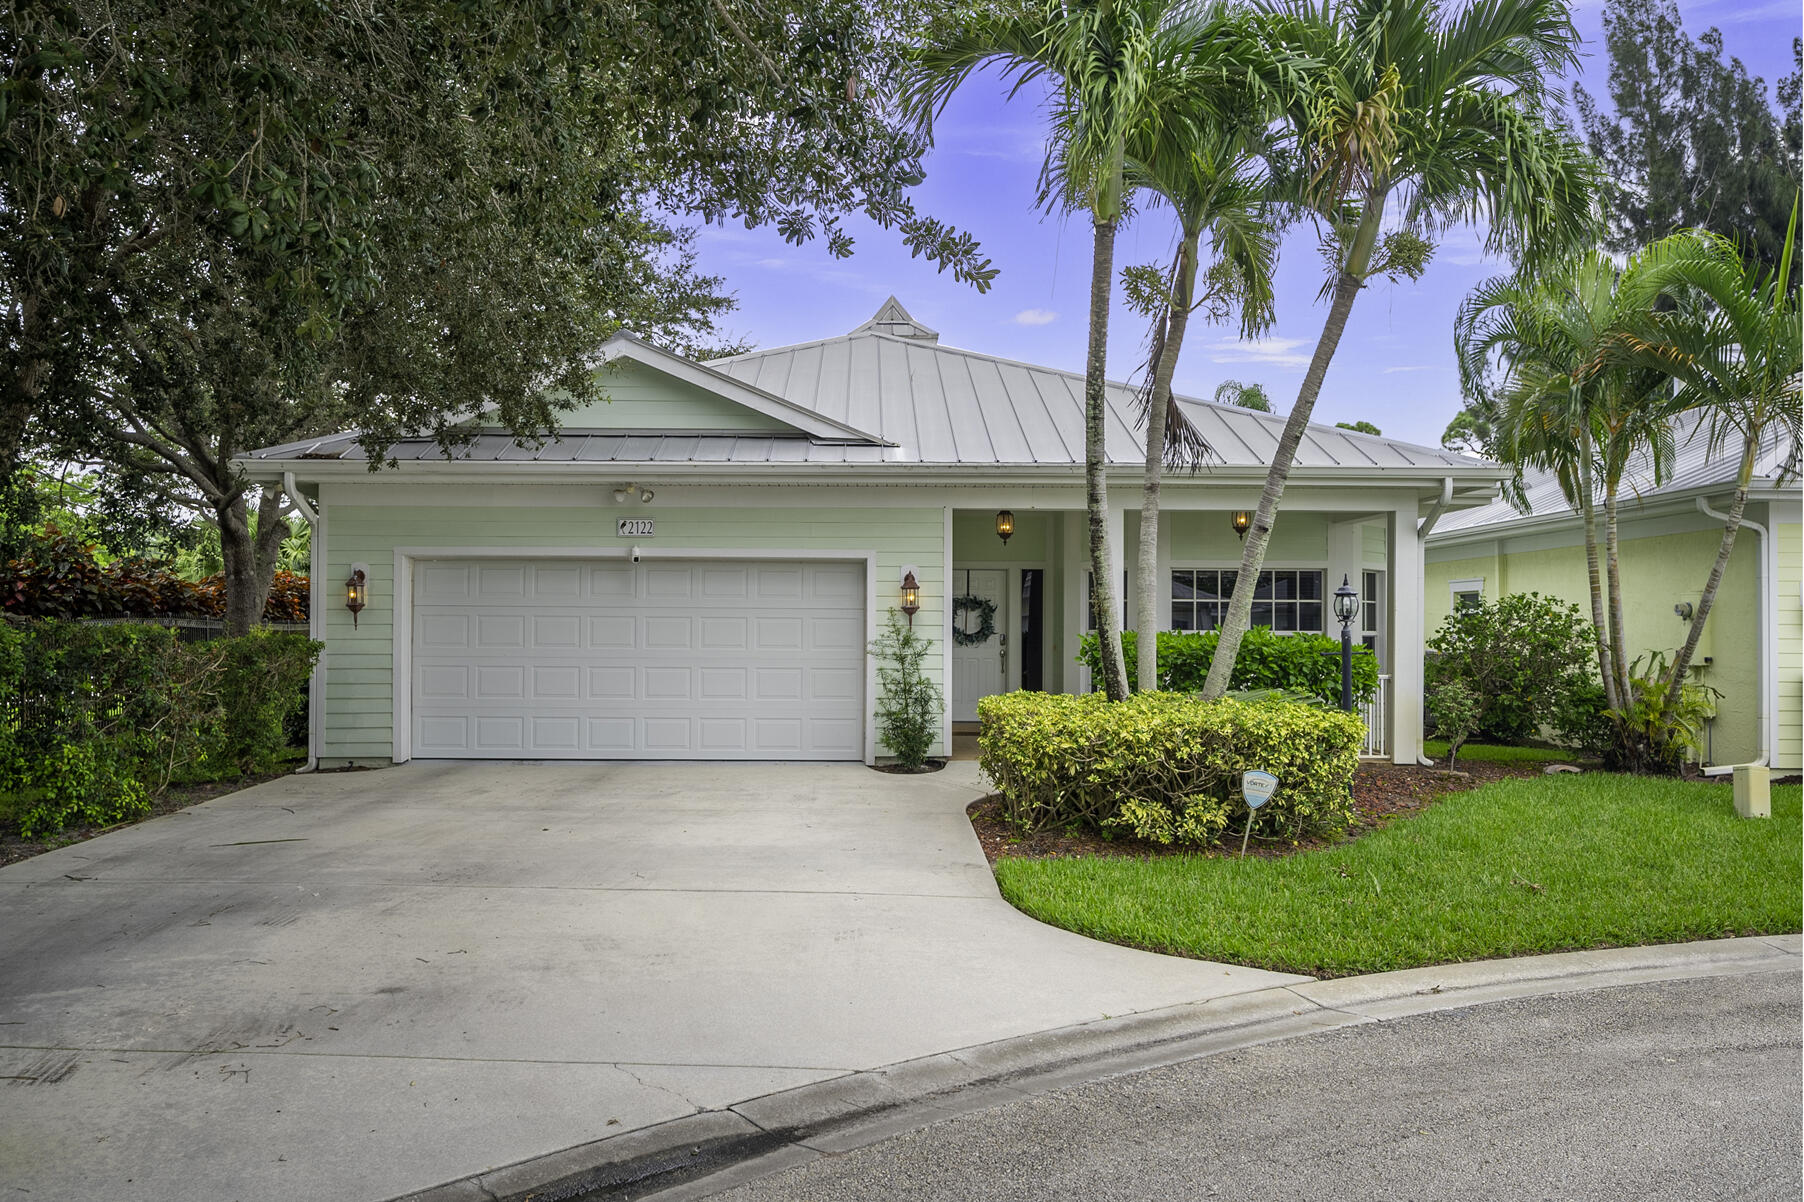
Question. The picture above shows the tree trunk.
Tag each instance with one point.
(20, 398)
(1675, 681)
(1613, 583)
(1177, 317)
(1594, 574)
(1096, 489)
(1252, 558)
(250, 557)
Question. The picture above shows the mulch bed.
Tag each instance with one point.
(14, 848)
(1381, 793)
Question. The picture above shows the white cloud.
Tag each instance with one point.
(1389, 371)
(1277, 352)
(1035, 317)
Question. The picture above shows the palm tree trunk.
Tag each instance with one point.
(1252, 558)
(1613, 583)
(1096, 487)
(1177, 317)
(1675, 681)
(1594, 573)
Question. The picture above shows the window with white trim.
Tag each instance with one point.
(1466, 594)
(1371, 613)
(1287, 599)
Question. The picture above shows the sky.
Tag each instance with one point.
(1395, 365)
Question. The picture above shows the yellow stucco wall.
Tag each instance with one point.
(1657, 573)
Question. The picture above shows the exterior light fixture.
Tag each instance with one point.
(1005, 525)
(645, 495)
(911, 595)
(1242, 519)
(357, 592)
(625, 493)
(1346, 608)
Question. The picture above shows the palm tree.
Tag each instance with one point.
(1112, 66)
(1567, 408)
(1732, 344)
(1212, 180)
(1441, 113)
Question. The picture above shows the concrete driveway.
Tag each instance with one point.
(356, 985)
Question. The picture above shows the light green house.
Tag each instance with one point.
(693, 569)
(1670, 535)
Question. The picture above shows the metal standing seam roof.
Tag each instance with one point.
(1697, 466)
(937, 405)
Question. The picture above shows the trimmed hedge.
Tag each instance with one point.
(1166, 766)
(58, 576)
(96, 720)
(1305, 663)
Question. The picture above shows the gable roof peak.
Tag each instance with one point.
(892, 319)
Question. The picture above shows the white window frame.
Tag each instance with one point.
(1455, 588)
(1326, 599)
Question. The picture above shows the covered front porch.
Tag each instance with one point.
(1018, 607)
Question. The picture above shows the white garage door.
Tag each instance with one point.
(656, 660)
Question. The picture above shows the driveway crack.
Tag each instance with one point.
(663, 1089)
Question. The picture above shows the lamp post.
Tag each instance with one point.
(1346, 608)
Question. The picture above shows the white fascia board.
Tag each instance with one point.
(1421, 479)
(1683, 501)
(623, 346)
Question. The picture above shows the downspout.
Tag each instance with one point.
(315, 618)
(1768, 639)
(1423, 529)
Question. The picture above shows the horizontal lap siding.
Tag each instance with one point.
(360, 665)
(1789, 615)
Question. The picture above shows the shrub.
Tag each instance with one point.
(1524, 656)
(1307, 663)
(909, 706)
(1455, 708)
(1165, 766)
(59, 576)
(1650, 736)
(96, 720)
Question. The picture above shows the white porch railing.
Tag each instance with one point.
(1377, 713)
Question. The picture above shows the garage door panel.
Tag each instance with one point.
(557, 682)
(666, 660)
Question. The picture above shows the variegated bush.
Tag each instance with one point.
(1165, 766)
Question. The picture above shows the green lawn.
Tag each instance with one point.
(1436, 749)
(1515, 868)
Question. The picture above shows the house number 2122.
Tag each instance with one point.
(635, 528)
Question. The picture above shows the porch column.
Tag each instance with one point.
(1346, 558)
(1074, 534)
(1403, 550)
(1123, 556)
(1162, 589)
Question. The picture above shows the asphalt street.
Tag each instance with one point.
(1675, 1090)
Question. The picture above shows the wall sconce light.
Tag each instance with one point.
(1684, 610)
(1005, 525)
(629, 490)
(911, 595)
(357, 592)
(645, 495)
(1242, 519)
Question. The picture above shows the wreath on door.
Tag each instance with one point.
(984, 608)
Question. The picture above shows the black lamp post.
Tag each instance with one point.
(1346, 608)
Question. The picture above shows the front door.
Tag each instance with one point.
(980, 644)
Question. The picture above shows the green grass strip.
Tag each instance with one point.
(1515, 868)
(1436, 749)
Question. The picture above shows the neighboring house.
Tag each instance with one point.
(693, 569)
(1670, 535)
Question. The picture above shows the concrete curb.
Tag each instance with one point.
(711, 1151)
